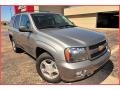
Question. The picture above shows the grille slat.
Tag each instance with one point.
(94, 50)
(97, 45)
(97, 53)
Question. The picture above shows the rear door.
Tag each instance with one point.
(15, 29)
(10, 28)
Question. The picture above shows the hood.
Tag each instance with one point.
(75, 36)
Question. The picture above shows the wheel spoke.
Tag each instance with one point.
(56, 70)
(49, 69)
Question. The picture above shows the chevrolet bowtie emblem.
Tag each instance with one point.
(100, 48)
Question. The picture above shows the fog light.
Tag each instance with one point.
(81, 73)
(89, 73)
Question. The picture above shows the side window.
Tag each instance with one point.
(25, 21)
(16, 21)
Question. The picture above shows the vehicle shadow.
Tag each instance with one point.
(98, 77)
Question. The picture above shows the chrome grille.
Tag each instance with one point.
(98, 49)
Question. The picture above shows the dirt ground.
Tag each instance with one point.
(19, 68)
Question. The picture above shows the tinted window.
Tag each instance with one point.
(50, 21)
(16, 21)
(25, 21)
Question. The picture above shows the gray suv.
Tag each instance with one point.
(62, 50)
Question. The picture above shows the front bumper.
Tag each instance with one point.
(71, 71)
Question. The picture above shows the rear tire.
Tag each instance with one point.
(47, 69)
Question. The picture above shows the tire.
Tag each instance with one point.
(15, 48)
(47, 69)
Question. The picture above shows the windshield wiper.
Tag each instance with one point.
(51, 26)
(67, 25)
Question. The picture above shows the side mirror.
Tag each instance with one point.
(24, 29)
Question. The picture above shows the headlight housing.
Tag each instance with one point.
(76, 54)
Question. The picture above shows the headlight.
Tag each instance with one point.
(76, 54)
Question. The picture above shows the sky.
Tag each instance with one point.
(7, 12)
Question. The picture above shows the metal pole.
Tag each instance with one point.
(11, 11)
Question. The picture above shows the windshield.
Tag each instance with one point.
(51, 21)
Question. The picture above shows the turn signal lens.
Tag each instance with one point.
(67, 54)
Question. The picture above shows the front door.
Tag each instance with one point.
(26, 37)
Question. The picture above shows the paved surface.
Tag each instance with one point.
(19, 68)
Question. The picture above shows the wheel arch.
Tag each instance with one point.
(11, 37)
(39, 51)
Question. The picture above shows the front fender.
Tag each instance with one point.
(47, 48)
